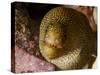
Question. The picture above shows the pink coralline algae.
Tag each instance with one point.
(24, 62)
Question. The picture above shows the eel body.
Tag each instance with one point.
(65, 37)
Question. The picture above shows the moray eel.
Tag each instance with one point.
(65, 37)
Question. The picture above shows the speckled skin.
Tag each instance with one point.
(64, 38)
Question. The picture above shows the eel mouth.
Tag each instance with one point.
(52, 51)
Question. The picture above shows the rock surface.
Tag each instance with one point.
(24, 62)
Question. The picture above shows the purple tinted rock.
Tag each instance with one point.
(24, 62)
